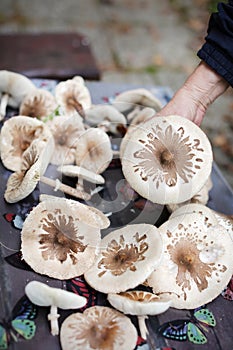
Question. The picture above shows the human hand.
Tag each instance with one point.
(201, 89)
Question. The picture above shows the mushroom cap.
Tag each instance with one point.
(17, 133)
(34, 163)
(127, 256)
(143, 97)
(137, 302)
(77, 171)
(73, 96)
(94, 151)
(99, 115)
(60, 238)
(98, 328)
(197, 262)
(16, 85)
(187, 209)
(38, 103)
(226, 221)
(66, 132)
(166, 162)
(43, 295)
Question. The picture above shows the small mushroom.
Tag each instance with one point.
(42, 295)
(141, 304)
(94, 151)
(131, 98)
(167, 159)
(107, 117)
(33, 165)
(38, 104)
(66, 132)
(73, 96)
(99, 327)
(127, 256)
(17, 134)
(139, 115)
(60, 238)
(13, 88)
(82, 174)
(197, 262)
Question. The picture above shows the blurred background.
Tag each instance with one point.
(142, 42)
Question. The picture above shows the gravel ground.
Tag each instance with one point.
(143, 42)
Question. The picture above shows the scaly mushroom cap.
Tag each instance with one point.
(142, 97)
(38, 104)
(60, 238)
(16, 85)
(226, 221)
(197, 262)
(108, 116)
(207, 213)
(127, 257)
(94, 150)
(66, 132)
(98, 328)
(139, 303)
(34, 164)
(73, 96)
(17, 134)
(167, 159)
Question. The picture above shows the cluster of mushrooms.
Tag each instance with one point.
(186, 262)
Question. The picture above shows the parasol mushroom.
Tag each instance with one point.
(73, 96)
(106, 117)
(34, 163)
(131, 98)
(197, 261)
(127, 256)
(99, 327)
(141, 304)
(38, 104)
(167, 159)
(17, 134)
(139, 115)
(42, 295)
(60, 238)
(13, 88)
(94, 150)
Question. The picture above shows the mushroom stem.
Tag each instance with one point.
(58, 185)
(3, 104)
(53, 318)
(142, 326)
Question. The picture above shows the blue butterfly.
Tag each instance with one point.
(21, 325)
(191, 329)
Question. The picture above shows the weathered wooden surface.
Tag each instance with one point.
(48, 55)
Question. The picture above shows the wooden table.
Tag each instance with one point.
(15, 274)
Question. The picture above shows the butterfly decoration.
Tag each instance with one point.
(192, 328)
(79, 286)
(16, 220)
(228, 291)
(21, 326)
(17, 261)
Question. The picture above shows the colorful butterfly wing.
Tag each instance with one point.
(79, 286)
(205, 316)
(3, 338)
(195, 335)
(24, 310)
(175, 330)
(25, 328)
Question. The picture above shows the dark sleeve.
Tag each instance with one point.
(217, 50)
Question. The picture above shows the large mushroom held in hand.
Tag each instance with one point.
(167, 159)
(98, 328)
